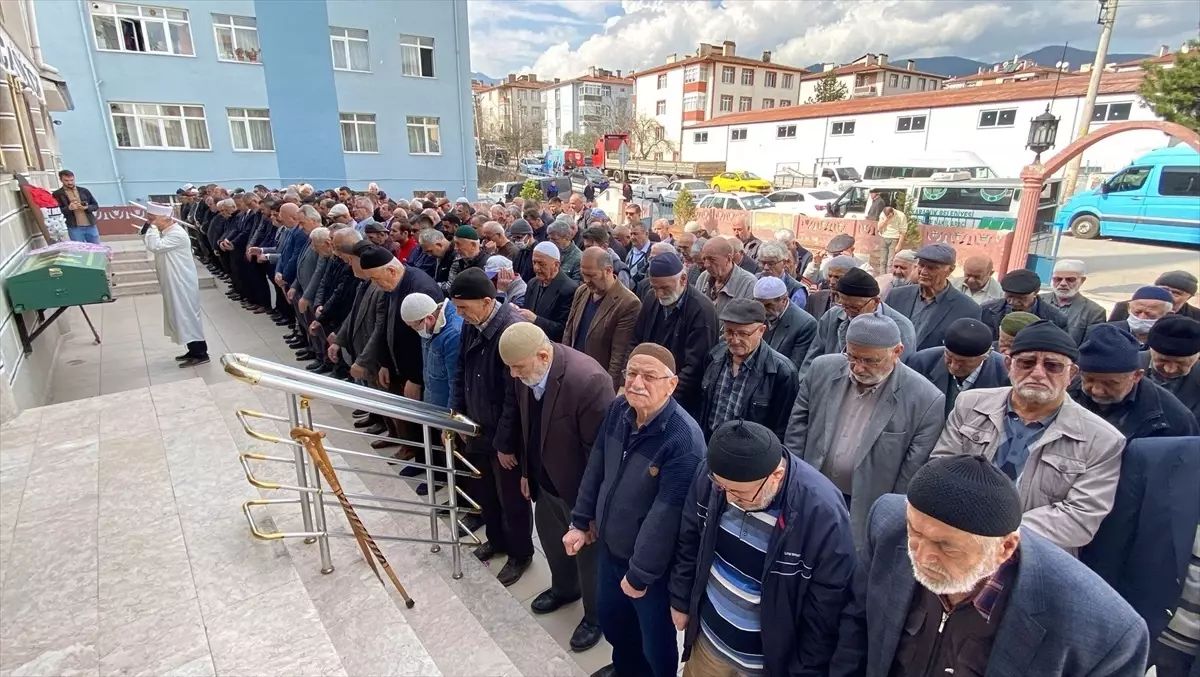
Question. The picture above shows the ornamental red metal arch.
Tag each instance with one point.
(1033, 177)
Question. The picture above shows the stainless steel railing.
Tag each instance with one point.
(301, 388)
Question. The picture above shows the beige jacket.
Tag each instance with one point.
(1070, 479)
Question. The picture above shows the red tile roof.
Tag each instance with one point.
(518, 84)
(602, 79)
(1166, 58)
(1110, 83)
(855, 68)
(996, 75)
(718, 58)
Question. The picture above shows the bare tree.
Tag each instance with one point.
(647, 137)
(516, 134)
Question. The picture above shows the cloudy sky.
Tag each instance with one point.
(561, 38)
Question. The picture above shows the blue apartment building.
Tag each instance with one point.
(242, 92)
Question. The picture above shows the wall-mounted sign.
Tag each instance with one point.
(14, 62)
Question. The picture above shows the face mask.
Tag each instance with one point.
(424, 334)
(1139, 326)
(520, 244)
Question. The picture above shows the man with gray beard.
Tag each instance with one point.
(950, 582)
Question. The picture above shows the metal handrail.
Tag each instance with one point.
(301, 382)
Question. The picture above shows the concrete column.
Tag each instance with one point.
(1033, 177)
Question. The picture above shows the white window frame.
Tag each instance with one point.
(842, 128)
(340, 39)
(357, 120)
(692, 74)
(1107, 108)
(431, 134)
(728, 75)
(784, 103)
(768, 103)
(161, 115)
(695, 101)
(996, 125)
(590, 89)
(748, 102)
(911, 123)
(748, 74)
(737, 134)
(662, 81)
(230, 23)
(785, 132)
(894, 80)
(699, 137)
(770, 78)
(726, 99)
(244, 117)
(906, 83)
(660, 107)
(788, 79)
(143, 15)
(409, 43)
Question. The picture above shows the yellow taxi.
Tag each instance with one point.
(748, 182)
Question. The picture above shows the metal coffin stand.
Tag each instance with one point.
(303, 387)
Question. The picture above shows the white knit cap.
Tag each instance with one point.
(416, 306)
(495, 264)
(769, 287)
(1070, 266)
(548, 249)
(158, 209)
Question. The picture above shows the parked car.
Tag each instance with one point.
(647, 187)
(1156, 198)
(741, 181)
(530, 166)
(499, 192)
(807, 201)
(582, 176)
(670, 193)
(741, 200)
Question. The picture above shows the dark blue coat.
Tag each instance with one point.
(1142, 548)
(1060, 618)
(930, 364)
(1152, 412)
(770, 390)
(808, 570)
(953, 306)
(991, 312)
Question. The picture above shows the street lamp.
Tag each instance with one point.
(1042, 131)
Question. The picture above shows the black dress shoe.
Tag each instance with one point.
(485, 552)
(298, 344)
(423, 488)
(586, 636)
(548, 602)
(181, 358)
(513, 570)
(365, 422)
(282, 322)
(359, 413)
(606, 671)
(377, 429)
(384, 444)
(472, 522)
(412, 471)
(193, 362)
(306, 355)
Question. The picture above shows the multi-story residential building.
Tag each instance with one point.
(29, 92)
(1165, 58)
(511, 113)
(872, 75)
(1017, 70)
(991, 121)
(598, 102)
(241, 92)
(713, 82)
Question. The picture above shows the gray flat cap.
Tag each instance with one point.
(840, 243)
(873, 331)
(937, 253)
(744, 311)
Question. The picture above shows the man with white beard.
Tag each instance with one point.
(949, 582)
(1082, 313)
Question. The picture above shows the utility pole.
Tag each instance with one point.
(1108, 16)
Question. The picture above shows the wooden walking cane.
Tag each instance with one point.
(311, 440)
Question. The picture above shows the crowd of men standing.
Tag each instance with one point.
(805, 468)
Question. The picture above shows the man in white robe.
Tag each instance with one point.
(180, 286)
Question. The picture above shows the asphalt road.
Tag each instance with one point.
(1116, 268)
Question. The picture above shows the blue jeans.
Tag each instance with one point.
(84, 234)
(640, 630)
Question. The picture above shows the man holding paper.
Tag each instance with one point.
(180, 286)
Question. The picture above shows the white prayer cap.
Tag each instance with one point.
(416, 306)
(158, 209)
(769, 287)
(497, 263)
(373, 187)
(691, 227)
(548, 249)
(907, 255)
(1070, 266)
(227, 203)
(187, 186)
(462, 201)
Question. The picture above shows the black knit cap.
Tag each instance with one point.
(858, 283)
(1175, 336)
(472, 284)
(968, 337)
(968, 493)
(1044, 336)
(743, 451)
(374, 257)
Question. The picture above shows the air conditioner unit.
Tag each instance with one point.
(950, 176)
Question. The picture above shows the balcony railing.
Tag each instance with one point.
(867, 90)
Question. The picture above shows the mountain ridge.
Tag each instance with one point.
(957, 66)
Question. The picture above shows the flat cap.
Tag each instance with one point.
(1178, 279)
(1109, 349)
(373, 226)
(1152, 293)
(1044, 336)
(743, 311)
(937, 253)
(520, 227)
(968, 337)
(873, 331)
(1021, 281)
(858, 283)
(472, 284)
(665, 265)
(769, 287)
(417, 306)
(843, 261)
(840, 243)
(466, 233)
(907, 255)
(1175, 336)
(339, 209)
(374, 256)
(657, 352)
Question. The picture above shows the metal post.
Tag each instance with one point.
(433, 515)
(451, 481)
(319, 504)
(301, 469)
(1107, 19)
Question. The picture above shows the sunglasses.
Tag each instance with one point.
(1029, 363)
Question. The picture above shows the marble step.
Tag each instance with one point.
(122, 277)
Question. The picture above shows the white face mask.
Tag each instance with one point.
(1139, 326)
(424, 334)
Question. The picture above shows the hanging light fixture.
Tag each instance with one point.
(1042, 131)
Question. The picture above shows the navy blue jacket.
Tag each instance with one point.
(1151, 411)
(635, 484)
(1142, 548)
(689, 333)
(807, 575)
(1060, 618)
(953, 306)
(991, 312)
(930, 364)
(770, 390)
(482, 386)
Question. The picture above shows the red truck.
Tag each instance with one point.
(605, 158)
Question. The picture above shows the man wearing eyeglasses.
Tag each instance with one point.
(1082, 313)
(1064, 459)
(745, 377)
(1021, 288)
(764, 560)
(856, 293)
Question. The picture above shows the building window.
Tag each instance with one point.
(350, 50)
(662, 81)
(250, 129)
(133, 28)
(893, 80)
(769, 78)
(907, 83)
(745, 103)
(416, 56)
(424, 137)
(658, 156)
(933, 85)
(660, 108)
(237, 38)
(921, 84)
(785, 132)
(158, 126)
(843, 128)
(24, 120)
(787, 80)
(748, 76)
(700, 137)
(728, 73)
(1111, 112)
(727, 103)
(737, 134)
(998, 118)
(358, 133)
(784, 103)
(768, 103)
(910, 123)
(695, 74)
(695, 101)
